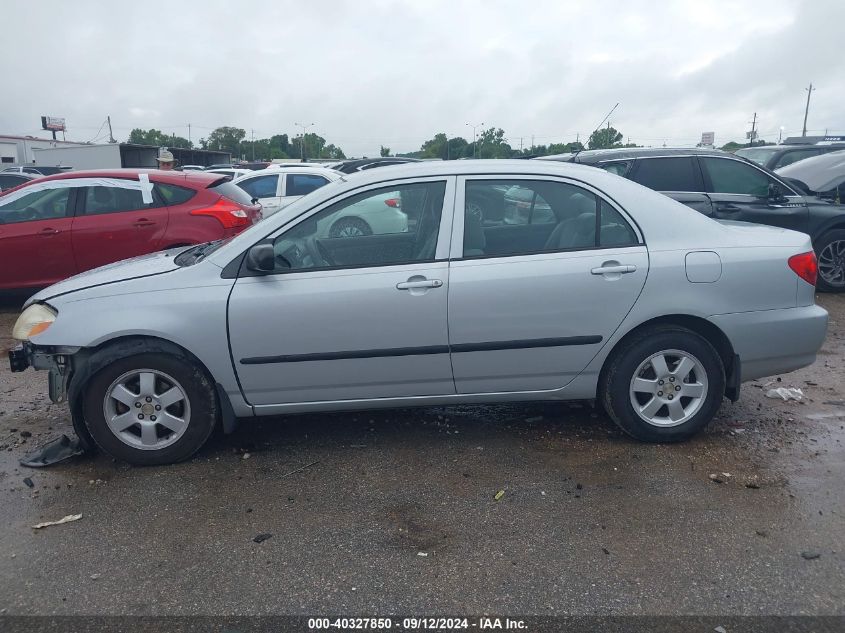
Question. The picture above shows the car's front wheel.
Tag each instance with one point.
(150, 409)
(350, 227)
(664, 385)
(830, 252)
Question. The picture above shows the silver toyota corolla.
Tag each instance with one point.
(620, 295)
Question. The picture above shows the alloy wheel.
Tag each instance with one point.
(668, 388)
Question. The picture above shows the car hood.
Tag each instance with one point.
(142, 266)
(820, 173)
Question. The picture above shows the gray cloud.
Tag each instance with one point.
(395, 73)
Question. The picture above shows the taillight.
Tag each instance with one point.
(230, 215)
(805, 266)
(396, 203)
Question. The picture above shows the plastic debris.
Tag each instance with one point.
(260, 538)
(810, 555)
(499, 495)
(720, 478)
(422, 553)
(67, 519)
(53, 452)
(28, 482)
(720, 629)
(785, 393)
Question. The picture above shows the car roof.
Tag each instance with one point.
(197, 179)
(331, 174)
(598, 155)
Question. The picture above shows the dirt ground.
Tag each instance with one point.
(397, 511)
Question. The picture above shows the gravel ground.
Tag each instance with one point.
(397, 512)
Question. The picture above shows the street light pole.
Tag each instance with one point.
(304, 127)
(807, 109)
(474, 127)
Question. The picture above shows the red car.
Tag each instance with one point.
(57, 226)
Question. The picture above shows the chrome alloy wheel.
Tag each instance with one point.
(147, 409)
(832, 263)
(668, 388)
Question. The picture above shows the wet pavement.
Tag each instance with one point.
(397, 512)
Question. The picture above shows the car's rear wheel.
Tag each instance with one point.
(664, 385)
(830, 252)
(350, 227)
(149, 409)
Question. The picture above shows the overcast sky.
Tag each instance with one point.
(377, 72)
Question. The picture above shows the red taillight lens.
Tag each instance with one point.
(396, 203)
(230, 215)
(805, 266)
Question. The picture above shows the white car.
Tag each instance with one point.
(276, 187)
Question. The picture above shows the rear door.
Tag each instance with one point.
(114, 222)
(35, 236)
(268, 189)
(678, 177)
(739, 191)
(529, 317)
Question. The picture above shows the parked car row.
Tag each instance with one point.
(727, 187)
(620, 294)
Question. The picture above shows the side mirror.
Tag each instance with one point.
(261, 258)
(774, 192)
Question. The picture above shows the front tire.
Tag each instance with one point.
(830, 252)
(150, 409)
(664, 385)
(350, 227)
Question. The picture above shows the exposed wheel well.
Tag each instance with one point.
(704, 328)
(835, 227)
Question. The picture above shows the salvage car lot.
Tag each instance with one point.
(395, 511)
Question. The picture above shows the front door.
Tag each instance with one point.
(740, 191)
(35, 238)
(527, 314)
(115, 222)
(358, 316)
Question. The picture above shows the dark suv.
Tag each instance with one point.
(777, 156)
(727, 187)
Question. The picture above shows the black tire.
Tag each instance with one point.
(199, 392)
(834, 239)
(351, 224)
(615, 385)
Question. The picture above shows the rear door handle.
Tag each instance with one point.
(144, 222)
(613, 270)
(48, 232)
(420, 283)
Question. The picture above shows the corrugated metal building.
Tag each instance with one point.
(115, 155)
(20, 150)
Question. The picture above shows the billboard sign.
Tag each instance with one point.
(708, 138)
(53, 123)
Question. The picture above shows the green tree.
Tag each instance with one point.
(605, 138)
(491, 143)
(442, 147)
(384, 151)
(226, 139)
(158, 138)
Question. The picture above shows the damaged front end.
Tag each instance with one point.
(56, 360)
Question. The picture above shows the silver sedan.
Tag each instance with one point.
(621, 295)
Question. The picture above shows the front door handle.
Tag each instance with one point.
(419, 283)
(613, 270)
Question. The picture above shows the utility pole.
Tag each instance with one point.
(111, 136)
(252, 142)
(807, 109)
(304, 127)
(474, 127)
(189, 134)
(753, 123)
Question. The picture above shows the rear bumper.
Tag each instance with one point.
(770, 342)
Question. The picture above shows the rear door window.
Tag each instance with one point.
(793, 157)
(261, 186)
(302, 184)
(667, 174)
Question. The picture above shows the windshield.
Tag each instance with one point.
(758, 154)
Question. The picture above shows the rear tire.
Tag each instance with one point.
(830, 252)
(350, 227)
(664, 385)
(150, 409)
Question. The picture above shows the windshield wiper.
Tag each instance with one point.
(195, 254)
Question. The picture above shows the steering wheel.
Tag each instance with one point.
(30, 213)
(324, 252)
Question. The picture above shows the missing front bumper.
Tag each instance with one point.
(18, 358)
